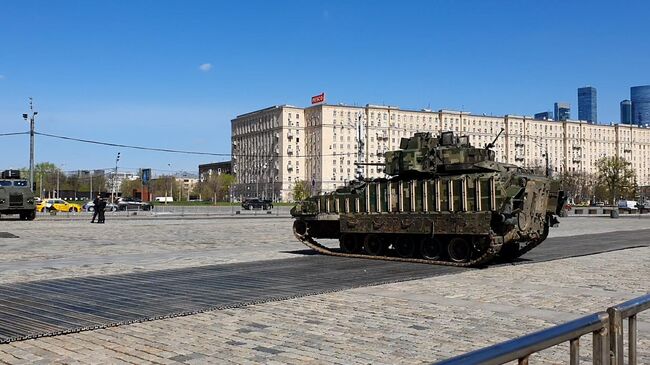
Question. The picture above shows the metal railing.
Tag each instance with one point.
(521, 348)
(607, 329)
(617, 315)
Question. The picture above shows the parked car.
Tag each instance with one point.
(58, 205)
(256, 203)
(629, 206)
(133, 204)
(90, 207)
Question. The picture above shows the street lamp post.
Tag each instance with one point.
(171, 183)
(58, 190)
(31, 118)
(117, 159)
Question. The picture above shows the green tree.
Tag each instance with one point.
(301, 190)
(45, 178)
(128, 186)
(217, 187)
(578, 186)
(163, 186)
(616, 178)
(73, 182)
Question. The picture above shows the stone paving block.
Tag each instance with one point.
(409, 322)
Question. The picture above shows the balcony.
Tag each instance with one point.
(289, 167)
(289, 135)
(289, 151)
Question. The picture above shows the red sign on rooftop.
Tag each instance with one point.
(318, 98)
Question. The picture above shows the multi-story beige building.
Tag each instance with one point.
(277, 146)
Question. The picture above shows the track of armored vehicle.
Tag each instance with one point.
(444, 202)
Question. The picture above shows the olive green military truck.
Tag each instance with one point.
(15, 196)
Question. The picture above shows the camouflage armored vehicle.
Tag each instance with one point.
(444, 202)
(15, 196)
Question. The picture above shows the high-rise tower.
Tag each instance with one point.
(640, 96)
(626, 112)
(562, 111)
(587, 105)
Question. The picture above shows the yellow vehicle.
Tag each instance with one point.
(59, 205)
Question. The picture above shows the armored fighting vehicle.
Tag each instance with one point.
(443, 202)
(15, 196)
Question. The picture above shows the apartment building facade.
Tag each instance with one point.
(273, 148)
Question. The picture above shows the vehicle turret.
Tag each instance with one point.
(444, 154)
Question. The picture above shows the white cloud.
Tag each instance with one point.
(205, 67)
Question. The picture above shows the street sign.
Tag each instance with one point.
(146, 176)
(320, 98)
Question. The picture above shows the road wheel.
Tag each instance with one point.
(300, 227)
(31, 215)
(431, 248)
(405, 247)
(374, 245)
(91, 209)
(72, 210)
(349, 243)
(459, 250)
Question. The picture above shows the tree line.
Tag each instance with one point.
(615, 179)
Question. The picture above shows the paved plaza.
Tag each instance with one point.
(409, 322)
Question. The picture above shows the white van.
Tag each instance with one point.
(627, 205)
(164, 199)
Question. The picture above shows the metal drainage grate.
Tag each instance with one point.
(42, 308)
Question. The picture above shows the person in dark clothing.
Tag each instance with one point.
(101, 207)
(95, 210)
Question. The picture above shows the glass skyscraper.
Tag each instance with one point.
(562, 111)
(626, 112)
(544, 116)
(640, 96)
(587, 105)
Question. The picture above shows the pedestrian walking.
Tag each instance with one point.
(101, 208)
(95, 210)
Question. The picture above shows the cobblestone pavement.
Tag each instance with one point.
(404, 323)
(48, 249)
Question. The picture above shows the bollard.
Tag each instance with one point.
(613, 213)
(237, 212)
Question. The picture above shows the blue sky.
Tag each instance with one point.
(129, 71)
